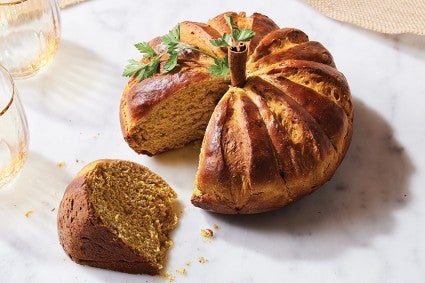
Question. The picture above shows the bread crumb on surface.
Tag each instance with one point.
(207, 233)
(61, 164)
(187, 263)
(28, 213)
(79, 161)
(182, 271)
(215, 226)
(170, 277)
(202, 259)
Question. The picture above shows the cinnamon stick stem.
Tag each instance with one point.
(237, 64)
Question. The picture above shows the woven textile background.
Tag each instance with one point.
(386, 16)
(65, 3)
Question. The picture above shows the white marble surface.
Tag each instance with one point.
(366, 225)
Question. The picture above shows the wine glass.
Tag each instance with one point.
(13, 130)
(29, 35)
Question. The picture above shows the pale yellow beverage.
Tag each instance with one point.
(29, 35)
(13, 130)
(11, 161)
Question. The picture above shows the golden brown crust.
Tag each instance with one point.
(331, 118)
(213, 167)
(199, 35)
(307, 150)
(307, 155)
(308, 51)
(261, 24)
(277, 40)
(219, 23)
(325, 78)
(234, 177)
(283, 133)
(141, 97)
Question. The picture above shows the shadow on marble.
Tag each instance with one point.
(76, 79)
(413, 45)
(28, 212)
(351, 210)
(178, 168)
(188, 154)
(410, 40)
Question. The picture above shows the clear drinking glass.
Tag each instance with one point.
(29, 35)
(13, 130)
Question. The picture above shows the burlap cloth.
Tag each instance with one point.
(386, 16)
(66, 3)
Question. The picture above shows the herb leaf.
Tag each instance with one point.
(220, 68)
(141, 75)
(173, 36)
(139, 70)
(145, 49)
(171, 63)
(229, 22)
(133, 68)
(243, 35)
(173, 47)
(225, 40)
(152, 67)
(148, 70)
(238, 35)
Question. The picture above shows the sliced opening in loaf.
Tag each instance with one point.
(136, 205)
(180, 119)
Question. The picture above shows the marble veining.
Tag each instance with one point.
(365, 225)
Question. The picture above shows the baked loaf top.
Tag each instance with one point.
(265, 144)
(117, 215)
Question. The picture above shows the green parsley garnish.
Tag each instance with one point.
(139, 70)
(173, 47)
(220, 68)
(145, 49)
(235, 37)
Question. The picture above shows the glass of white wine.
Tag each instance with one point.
(13, 130)
(29, 35)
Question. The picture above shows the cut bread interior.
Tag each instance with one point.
(178, 120)
(136, 205)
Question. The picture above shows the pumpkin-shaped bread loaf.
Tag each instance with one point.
(267, 142)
